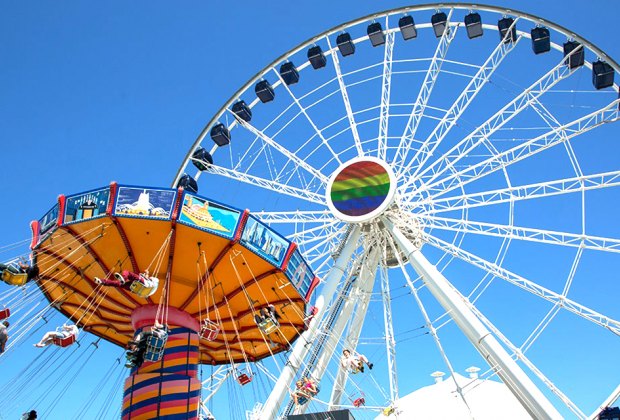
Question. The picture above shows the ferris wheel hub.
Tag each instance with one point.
(392, 255)
(361, 189)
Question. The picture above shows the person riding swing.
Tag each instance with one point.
(18, 273)
(147, 345)
(4, 335)
(63, 336)
(354, 361)
(141, 284)
(267, 319)
(306, 390)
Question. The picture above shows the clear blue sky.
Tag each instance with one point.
(95, 92)
(119, 91)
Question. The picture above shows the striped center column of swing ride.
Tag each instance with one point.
(169, 387)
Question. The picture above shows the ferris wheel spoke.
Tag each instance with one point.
(386, 86)
(429, 324)
(519, 354)
(316, 244)
(524, 192)
(484, 132)
(345, 99)
(292, 157)
(552, 122)
(268, 184)
(321, 260)
(305, 242)
(421, 102)
(571, 273)
(298, 216)
(459, 106)
(320, 250)
(314, 229)
(527, 285)
(310, 120)
(542, 325)
(576, 240)
(526, 149)
(460, 310)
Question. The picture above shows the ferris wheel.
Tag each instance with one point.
(450, 173)
(428, 189)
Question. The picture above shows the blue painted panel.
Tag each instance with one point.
(264, 241)
(48, 221)
(209, 215)
(87, 205)
(299, 273)
(146, 203)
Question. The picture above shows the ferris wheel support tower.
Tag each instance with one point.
(378, 215)
(457, 307)
(280, 390)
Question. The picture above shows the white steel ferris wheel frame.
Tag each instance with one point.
(424, 93)
(442, 176)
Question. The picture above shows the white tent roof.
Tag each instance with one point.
(486, 399)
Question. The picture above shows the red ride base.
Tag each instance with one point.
(169, 388)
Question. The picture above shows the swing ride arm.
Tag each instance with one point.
(281, 388)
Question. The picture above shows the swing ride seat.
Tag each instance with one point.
(5, 313)
(64, 341)
(209, 330)
(138, 288)
(358, 402)
(388, 411)
(244, 379)
(268, 325)
(14, 279)
(304, 396)
(155, 347)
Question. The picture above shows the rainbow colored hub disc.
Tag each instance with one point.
(361, 189)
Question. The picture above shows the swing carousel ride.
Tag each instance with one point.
(445, 174)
